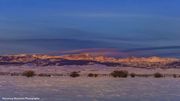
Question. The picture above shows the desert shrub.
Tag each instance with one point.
(29, 73)
(158, 75)
(44, 75)
(174, 75)
(121, 73)
(132, 75)
(74, 74)
(92, 75)
(95, 75)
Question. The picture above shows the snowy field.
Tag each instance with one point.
(99, 69)
(91, 89)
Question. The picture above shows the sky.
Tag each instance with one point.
(153, 22)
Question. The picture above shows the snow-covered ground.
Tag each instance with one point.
(99, 69)
(91, 89)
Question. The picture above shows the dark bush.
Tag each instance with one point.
(74, 74)
(132, 75)
(29, 73)
(92, 75)
(95, 75)
(158, 75)
(174, 75)
(121, 73)
(44, 75)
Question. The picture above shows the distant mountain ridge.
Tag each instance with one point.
(88, 59)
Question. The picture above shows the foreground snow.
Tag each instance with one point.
(91, 89)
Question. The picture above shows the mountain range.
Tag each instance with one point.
(87, 59)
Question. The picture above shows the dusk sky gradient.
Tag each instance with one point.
(153, 23)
